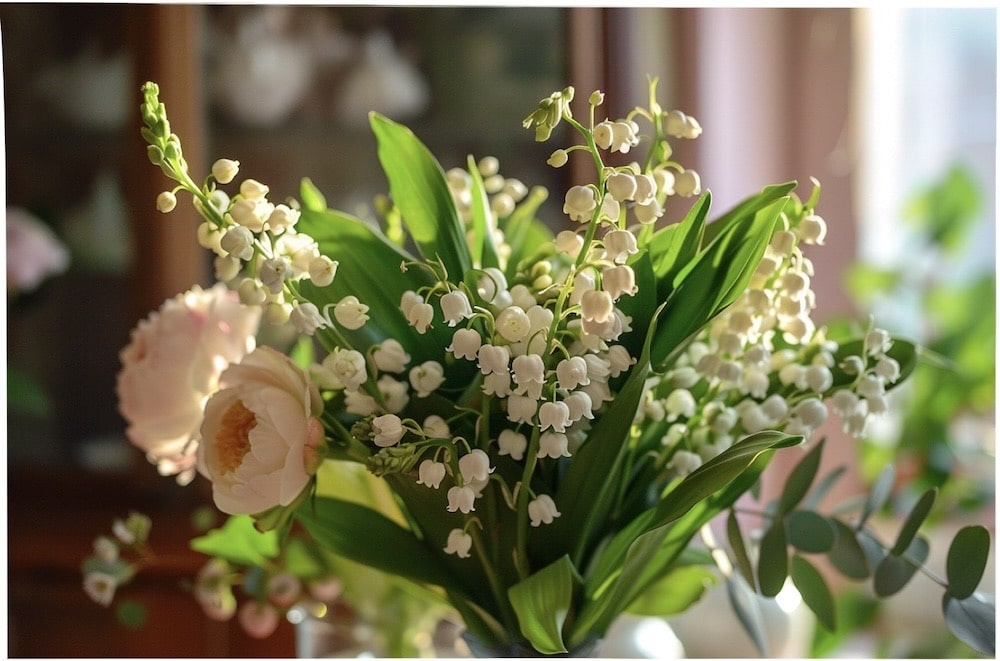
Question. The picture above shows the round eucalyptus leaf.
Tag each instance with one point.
(879, 494)
(746, 605)
(814, 591)
(913, 521)
(973, 620)
(847, 554)
(967, 558)
(800, 479)
(740, 556)
(810, 532)
(895, 571)
(772, 566)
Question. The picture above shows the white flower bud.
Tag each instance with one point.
(812, 230)
(870, 386)
(783, 242)
(624, 136)
(513, 324)
(819, 378)
(277, 313)
(680, 402)
(282, 218)
(580, 406)
(812, 412)
(580, 203)
(251, 292)
(558, 158)
(648, 213)
(877, 342)
(420, 316)
(887, 368)
(603, 134)
(618, 245)
(209, 237)
(596, 306)
(387, 430)
(845, 403)
(166, 202)
(774, 407)
(226, 268)
(258, 618)
(347, 366)
(225, 170)
(582, 283)
(245, 212)
(273, 273)
(350, 313)
(436, 427)
(664, 180)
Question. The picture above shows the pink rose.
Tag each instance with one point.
(33, 252)
(259, 437)
(171, 367)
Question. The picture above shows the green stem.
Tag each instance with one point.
(496, 586)
(523, 494)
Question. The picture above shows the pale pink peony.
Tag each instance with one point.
(171, 367)
(259, 437)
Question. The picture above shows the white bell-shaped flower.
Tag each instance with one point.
(569, 242)
(426, 377)
(542, 510)
(687, 183)
(553, 415)
(420, 316)
(513, 324)
(618, 281)
(430, 473)
(461, 499)
(572, 373)
(684, 462)
(580, 203)
(238, 242)
(475, 466)
(493, 358)
(596, 306)
(497, 384)
(465, 343)
(347, 366)
(553, 444)
(521, 408)
(579, 405)
(619, 245)
(387, 430)
(455, 307)
(459, 543)
(621, 186)
(306, 319)
(350, 313)
(322, 270)
(513, 444)
(390, 356)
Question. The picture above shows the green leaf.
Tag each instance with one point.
(310, 196)
(879, 494)
(542, 601)
(814, 591)
(748, 206)
(713, 280)
(675, 246)
(973, 620)
(913, 522)
(800, 479)
(239, 542)
(739, 548)
(895, 571)
(674, 593)
(847, 555)
(810, 532)
(364, 535)
(746, 605)
(967, 557)
(772, 565)
(483, 251)
(420, 191)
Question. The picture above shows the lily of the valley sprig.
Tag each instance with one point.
(558, 414)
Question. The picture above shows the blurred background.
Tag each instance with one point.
(892, 109)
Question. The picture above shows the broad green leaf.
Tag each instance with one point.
(361, 534)
(420, 191)
(238, 541)
(913, 522)
(542, 601)
(739, 548)
(713, 281)
(748, 206)
(303, 559)
(967, 557)
(746, 605)
(677, 591)
(483, 251)
(814, 591)
(879, 494)
(810, 532)
(847, 555)
(772, 564)
(800, 479)
(973, 620)
(646, 548)
(369, 268)
(641, 306)
(895, 571)
(675, 246)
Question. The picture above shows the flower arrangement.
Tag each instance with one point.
(554, 419)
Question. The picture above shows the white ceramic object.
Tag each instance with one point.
(91, 91)
(383, 81)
